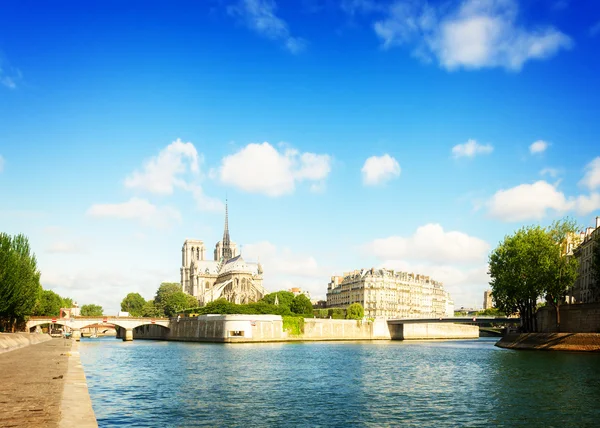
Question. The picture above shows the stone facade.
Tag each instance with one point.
(227, 276)
(389, 294)
(585, 290)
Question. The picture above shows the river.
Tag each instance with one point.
(371, 384)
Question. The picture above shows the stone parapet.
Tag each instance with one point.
(574, 318)
(12, 341)
(429, 331)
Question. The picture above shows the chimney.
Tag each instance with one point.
(597, 222)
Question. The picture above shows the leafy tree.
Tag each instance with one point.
(151, 310)
(530, 264)
(91, 311)
(285, 298)
(489, 312)
(164, 291)
(177, 302)
(134, 304)
(48, 304)
(301, 305)
(563, 268)
(519, 271)
(19, 280)
(355, 311)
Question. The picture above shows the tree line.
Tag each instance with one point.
(534, 266)
(169, 301)
(21, 293)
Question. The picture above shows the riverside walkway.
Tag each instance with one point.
(32, 380)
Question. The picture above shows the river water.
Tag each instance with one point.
(334, 384)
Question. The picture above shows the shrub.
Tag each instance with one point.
(293, 325)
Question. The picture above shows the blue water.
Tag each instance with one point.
(371, 384)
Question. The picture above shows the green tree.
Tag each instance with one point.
(489, 312)
(163, 292)
(134, 304)
(284, 298)
(177, 302)
(151, 310)
(19, 280)
(531, 264)
(301, 305)
(563, 267)
(355, 311)
(48, 304)
(519, 271)
(91, 311)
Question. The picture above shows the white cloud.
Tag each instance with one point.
(585, 204)
(474, 35)
(539, 146)
(1, 163)
(259, 16)
(452, 257)
(535, 201)
(595, 29)
(9, 76)
(64, 247)
(526, 201)
(430, 243)
(353, 7)
(471, 148)
(285, 269)
(379, 169)
(102, 286)
(137, 209)
(552, 172)
(261, 168)
(162, 173)
(204, 202)
(591, 179)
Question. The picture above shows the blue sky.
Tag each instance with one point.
(345, 134)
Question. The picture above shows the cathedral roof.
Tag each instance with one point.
(203, 265)
(238, 264)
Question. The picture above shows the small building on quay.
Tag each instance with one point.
(390, 294)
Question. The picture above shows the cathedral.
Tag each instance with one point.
(227, 276)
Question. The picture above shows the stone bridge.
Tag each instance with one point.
(456, 320)
(77, 323)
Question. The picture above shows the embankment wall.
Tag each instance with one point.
(552, 341)
(269, 328)
(428, 331)
(11, 341)
(576, 318)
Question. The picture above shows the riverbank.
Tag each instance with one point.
(32, 380)
(588, 342)
(270, 328)
(13, 341)
(76, 405)
(43, 386)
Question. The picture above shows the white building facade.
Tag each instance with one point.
(585, 289)
(390, 294)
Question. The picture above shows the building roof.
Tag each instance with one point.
(238, 264)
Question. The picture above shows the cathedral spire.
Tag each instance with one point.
(227, 254)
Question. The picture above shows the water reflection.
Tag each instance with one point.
(454, 383)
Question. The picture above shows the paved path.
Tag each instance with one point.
(32, 380)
